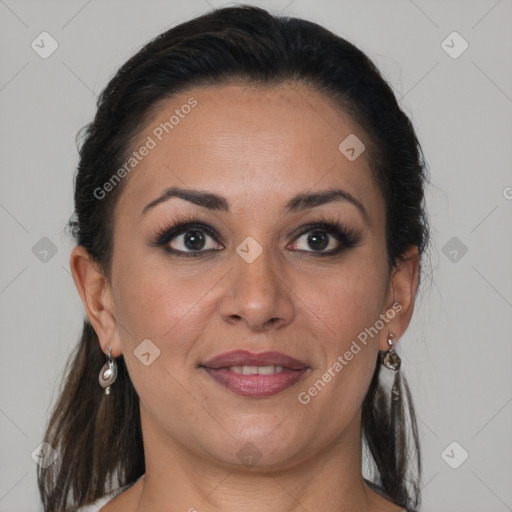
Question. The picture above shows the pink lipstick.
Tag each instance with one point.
(256, 375)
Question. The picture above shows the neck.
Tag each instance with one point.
(178, 479)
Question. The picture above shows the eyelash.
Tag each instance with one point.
(346, 237)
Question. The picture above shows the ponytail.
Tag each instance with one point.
(89, 430)
(385, 435)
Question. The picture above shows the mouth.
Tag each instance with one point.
(256, 375)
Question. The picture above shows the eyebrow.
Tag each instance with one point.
(297, 203)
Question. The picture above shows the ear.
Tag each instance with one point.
(403, 285)
(96, 294)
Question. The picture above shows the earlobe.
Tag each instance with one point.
(96, 295)
(403, 287)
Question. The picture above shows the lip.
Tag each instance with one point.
(246, 358)
(255, 385)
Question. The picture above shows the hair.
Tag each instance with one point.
(99, 438)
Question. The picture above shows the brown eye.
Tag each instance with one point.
(318, 240)
(325, 238)
(188, 239)
(192, 239)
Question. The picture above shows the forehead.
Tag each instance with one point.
(251, 144)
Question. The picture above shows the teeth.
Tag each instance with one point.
(250, 370)
(256, 370)
(266, 370)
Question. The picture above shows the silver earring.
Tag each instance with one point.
(108, 373)
(390, 359)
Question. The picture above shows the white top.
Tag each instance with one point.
(100, 502)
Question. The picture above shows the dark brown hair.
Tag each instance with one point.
(99, 438)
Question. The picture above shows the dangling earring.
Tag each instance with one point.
(396, 425)
(390, 359)
(108, 373)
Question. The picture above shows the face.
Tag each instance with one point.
(252, 273)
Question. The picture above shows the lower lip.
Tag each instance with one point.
(256, 385)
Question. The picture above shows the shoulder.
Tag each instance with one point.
(100, 502)
(96, 506)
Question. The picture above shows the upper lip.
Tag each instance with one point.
(246, 358)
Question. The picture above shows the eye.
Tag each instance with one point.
(325, 238)
(187, 239)
(192, 239)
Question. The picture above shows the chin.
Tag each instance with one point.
(259, 446)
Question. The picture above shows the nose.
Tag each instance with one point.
(258, 294)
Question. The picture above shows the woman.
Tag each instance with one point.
(250, 226)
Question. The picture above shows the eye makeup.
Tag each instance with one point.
(182, 224)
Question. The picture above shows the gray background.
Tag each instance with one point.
(457, 351)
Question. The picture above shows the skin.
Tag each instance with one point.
(256, 147)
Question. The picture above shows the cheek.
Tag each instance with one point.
(158, 301)
(345, 303)
(345, 314)
(153, 303)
